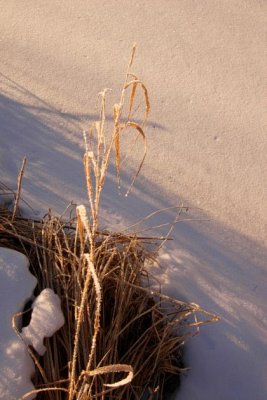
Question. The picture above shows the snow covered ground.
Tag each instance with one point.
(204, 63)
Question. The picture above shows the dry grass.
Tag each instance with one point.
(120, 340)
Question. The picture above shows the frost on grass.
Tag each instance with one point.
(16, 287)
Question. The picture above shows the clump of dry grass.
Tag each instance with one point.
(117, 331)
(120, 340)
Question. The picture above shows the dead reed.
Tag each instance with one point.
(120, 340)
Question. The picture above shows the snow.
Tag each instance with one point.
(16, 287)
(205, 66)
(46, 319)
(227, 360)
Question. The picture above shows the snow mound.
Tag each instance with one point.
(16, 287)
(46, 319)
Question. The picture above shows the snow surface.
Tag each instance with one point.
(204, 63)
(16, 287)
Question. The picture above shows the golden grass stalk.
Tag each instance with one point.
(17, 197)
